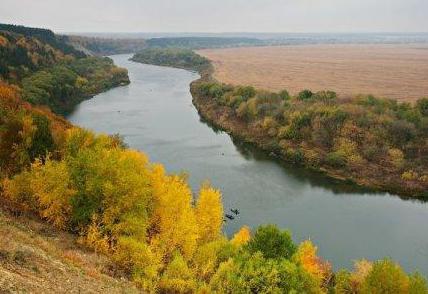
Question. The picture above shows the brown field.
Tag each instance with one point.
(393, 71)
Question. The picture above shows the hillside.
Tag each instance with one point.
(52, 72)
(35, 258)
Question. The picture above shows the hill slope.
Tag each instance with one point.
(36, 258)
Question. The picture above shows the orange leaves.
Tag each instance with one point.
(3, 41)
(307, 256)
(242, 236)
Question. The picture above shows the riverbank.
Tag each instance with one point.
(226, 120)
(393, 167)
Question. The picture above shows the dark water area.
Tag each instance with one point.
(155, 114)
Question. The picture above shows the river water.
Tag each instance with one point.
(155, 114)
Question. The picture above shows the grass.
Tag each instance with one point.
(38, 259)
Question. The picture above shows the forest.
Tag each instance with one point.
(175, 57)
(202, 42)
(107, 46)
(50, 71)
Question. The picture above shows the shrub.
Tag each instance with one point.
(305, 95)
(335, 159)
(272, 243)
(386, 277)
(422, 105)
(284, 95)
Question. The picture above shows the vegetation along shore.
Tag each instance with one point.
(377, 143)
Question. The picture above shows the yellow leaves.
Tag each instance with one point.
(174, 215)
(306, 255)
(18, 194)
(177, 277)
(241, 237)
(45, 189)
(140, 259)
(209, 213)
(396, 157)
(51, 186)
(81, 82)
(206, 258)
(361, 269)
(349, 150)
(409, 175)
(95, 239)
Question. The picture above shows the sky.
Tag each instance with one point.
(219, 15)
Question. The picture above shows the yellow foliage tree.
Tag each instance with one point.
(306, 255)
(241, 237)
(173, 218)
(209, 214)
(177, 277)
(206, 258)
(52, 188)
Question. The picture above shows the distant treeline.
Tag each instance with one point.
(174, 57)
(105, 46)
(202, 42)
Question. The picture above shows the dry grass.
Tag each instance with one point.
(393, 71)
(34, 258)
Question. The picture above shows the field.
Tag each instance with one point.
(393, 71)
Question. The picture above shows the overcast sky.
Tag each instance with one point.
(219, 15)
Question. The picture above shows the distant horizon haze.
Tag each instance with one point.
(214, 16)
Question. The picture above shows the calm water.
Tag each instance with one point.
(155, 114)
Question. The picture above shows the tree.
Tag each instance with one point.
(173, 217)
(177, 277)
(272, 243)
(306, 255)
(284, 95)
(418, 284)
(209, 214)
(242, 237)
(422, 105)
(305, 95)
(386, 277)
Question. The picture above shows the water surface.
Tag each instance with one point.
(155, 114)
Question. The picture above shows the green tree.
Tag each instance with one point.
(272, 242)
(386, 277)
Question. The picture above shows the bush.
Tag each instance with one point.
(386, 277)
(335, 159)
(272, 243)
(284, 95)
(305, 95)
(422, 105)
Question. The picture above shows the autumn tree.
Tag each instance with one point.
(209, 213)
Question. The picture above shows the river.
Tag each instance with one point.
(155, 114)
